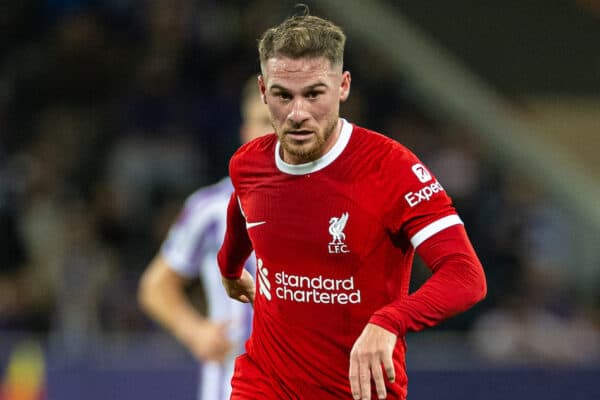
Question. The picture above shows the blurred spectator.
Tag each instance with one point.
(24, 304)
(14, 311)
(542, 320)
(86, 273)
(531, 331)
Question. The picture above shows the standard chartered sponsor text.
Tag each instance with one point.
(319, 289)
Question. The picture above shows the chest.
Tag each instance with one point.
(313, 219)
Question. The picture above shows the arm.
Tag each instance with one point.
(161, 295)
(457, 283)
(234, 251)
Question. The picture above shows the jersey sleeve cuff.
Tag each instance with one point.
(382, 320)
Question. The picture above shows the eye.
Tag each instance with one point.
(313, 94)
(284, 96)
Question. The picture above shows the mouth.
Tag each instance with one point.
(299, 135)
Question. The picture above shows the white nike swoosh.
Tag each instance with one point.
(253, 224)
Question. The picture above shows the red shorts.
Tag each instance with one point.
(249, 382)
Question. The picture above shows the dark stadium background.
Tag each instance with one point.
(112, 111)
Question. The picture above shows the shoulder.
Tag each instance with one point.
(209, 196)
(380, 148)
(210, 192)
(256, 147)
(257, 152)
(388, 165)
(203, 210)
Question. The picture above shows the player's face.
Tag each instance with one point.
(303, 96)
(257, 121)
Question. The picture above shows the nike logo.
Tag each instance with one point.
(253, 224)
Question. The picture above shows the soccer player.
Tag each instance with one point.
(334, 213)
(189, 251)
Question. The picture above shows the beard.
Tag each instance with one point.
(313, 151)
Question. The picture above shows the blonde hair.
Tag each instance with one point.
(303, 36)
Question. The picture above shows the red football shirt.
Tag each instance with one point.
(334, 241)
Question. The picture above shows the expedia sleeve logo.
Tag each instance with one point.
(414, 198)
(421, 173)
(426, 192)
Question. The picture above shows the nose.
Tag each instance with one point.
(298, 113)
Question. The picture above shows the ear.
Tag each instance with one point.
(345, 86)
(263, 89)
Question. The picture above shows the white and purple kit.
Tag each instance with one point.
(191, 250)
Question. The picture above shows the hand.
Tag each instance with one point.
(207, 340)
(241, 289)
(372, 350)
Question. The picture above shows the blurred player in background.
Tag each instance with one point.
(334, 213)
(190, 251)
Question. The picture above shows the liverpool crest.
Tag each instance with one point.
(336, 230)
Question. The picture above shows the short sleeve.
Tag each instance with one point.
(193, 233)
(418, 205)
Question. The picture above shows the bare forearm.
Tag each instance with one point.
(161, 295)
(163, 298)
